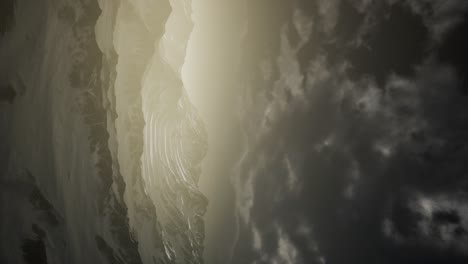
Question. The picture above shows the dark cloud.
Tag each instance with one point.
(453, 51)
(396, 43)
(360, 117)
(434, 224)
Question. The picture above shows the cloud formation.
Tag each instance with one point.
(337, 124)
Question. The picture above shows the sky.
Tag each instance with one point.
(352, 121)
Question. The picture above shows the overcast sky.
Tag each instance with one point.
(352, 117)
